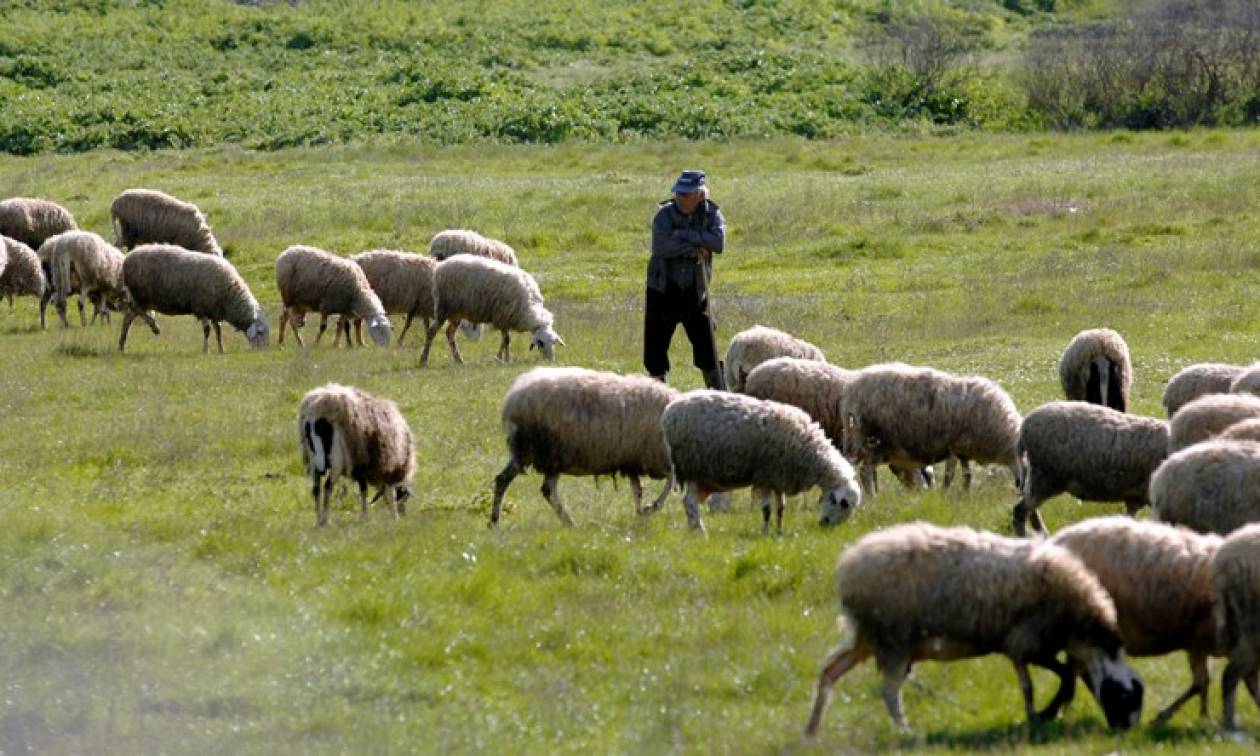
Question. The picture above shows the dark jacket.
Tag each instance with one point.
(676, 243)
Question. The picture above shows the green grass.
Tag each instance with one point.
(165, 588)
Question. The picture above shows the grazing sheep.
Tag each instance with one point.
(1247, 382)
(1160, 580)
(175, 281)
(1208, 416)
(315, 280)
(751, 347)
(911, 417)
(1197, 380)
(1247, 430)
(1210, 487)
(32, 221)
(719, 441)
(460, 241)
(917, 591)
(581, 422)
(23, 275)
(403, 282)
(86, 263)
(1236, 605)
(1090, 451)
(1095, 368)
(144, 216)
(345, 431)
(480, 290)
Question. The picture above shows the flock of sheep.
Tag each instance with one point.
(1187, 580)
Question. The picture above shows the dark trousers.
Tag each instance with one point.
(663, 312)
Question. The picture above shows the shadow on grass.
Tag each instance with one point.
(1006, 736)
(79, 350)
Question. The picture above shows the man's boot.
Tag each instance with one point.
(713, 379)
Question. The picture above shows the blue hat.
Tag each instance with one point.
(689, 182)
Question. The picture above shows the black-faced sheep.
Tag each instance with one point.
(85, 262)
(1236, 605)
(751, 347)
(460, 241)
(1210, 487)
(144, 216)
(1196, 381)
(1208, 416)
(1095, 368)
(311, 279)
(917, 591)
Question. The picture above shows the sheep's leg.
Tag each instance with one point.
(1025, 510)
(149, 321)
(126, 326)
(59, 303)
(323, 326)
(966, 472)
(762, 496)
(326, 503)
(363, 500)
(691, 504)
(429, 334)
(450, 341)
(552, 496)
(1026, 690)
(205, 336)
(950, 467)
(868, 478)
(1066, 692)
(659, 501)
(895, 673)
(1229, 687)
(636, 489)
(778, 507)
(391, 498)
(337, 328)
(501, 483)
(843, 658)
(358, 332)
(1198, 687)
(284, 320)
(505, 349)
(406, 325)
(43, 307)
(218, 335)
(319, 511)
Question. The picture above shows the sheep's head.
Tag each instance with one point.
(861, 444)
(471, 331)
(546, 338)
(258, 333)
(380, 329)
(1114, 684)
(838, 502)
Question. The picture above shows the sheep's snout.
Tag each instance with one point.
(380, 330)
(258, 334)
(838, 504)
(1119, 691)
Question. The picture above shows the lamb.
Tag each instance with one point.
(315, 280)
(144, 216)
(581, 422)
(1160, 580)
(1210, 487)
(1236, 607)
(751, 347)
(33, 221)
(85, 262)
(1195, 381)
(917, 591)
(818, 388)
(1247, 382)
(403, 282)
(480, 290)
(22, 275)
(176, 281)
(911, 417)
(1090, 451)
(464, 242)
(1095, 368)
(345, 431)
(719, 441)
(1208, 416)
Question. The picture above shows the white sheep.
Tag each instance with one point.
(1095, 368)
(917, 591)
(719, 441)
(480, 290)
(460, 241)
(84, 262)
(1197, 380)
(1210, 487)
(1209, 415)
(1093, 452)
(31, 221)
(573, 421)
(404, 283)
(345, 431)
(144, 216)
(912, 417)
(1236, 606)
(753, 346)
(311, 279)
(1160, 580)
(176, 281)
(23, 275)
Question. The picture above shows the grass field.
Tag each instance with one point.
(165, 589)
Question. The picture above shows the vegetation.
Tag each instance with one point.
(166, 589)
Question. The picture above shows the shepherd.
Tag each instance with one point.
(686, 232)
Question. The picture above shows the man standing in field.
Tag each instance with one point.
(686, 231)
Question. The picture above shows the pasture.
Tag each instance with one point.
(165, 587)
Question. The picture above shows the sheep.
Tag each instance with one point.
(1210, 487)
(86, 263)
(33, 221)
(581, 422)
(1247, 430)
(1247, 382)
(481, 290)
(916, 591)
(719, 441)
(144, 216)
(1208, 416)
(1090, 451)
(176, 281)
(464, 242)
(315, 280)
(1160, 580)
(23, 274)
(404, 283)
(1195, 381)
(911, 417)
(1095, 368)
(345, 431)
(1236, 608)
(749, 348)
(817, 388)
